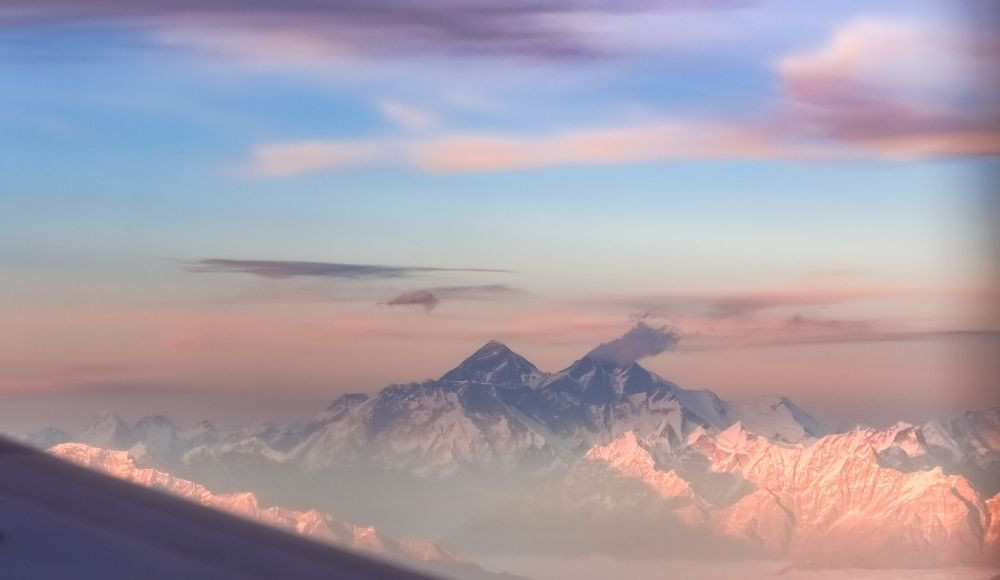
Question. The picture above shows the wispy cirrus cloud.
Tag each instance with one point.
(657, 141)
(277, 269)
(302, 157)
(764, 330)
(751, 302)
(802, 330)
(877, 89)
(405, 115)
(737, 304)
(429, 298)
(810, 314)
(43, 378)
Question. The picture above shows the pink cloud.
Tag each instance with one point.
(958, 144)
(52, 376)
(283, 159)
(576, 327)
(658, 141)
(900, 88)
(753, 302)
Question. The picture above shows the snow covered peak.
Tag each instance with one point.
(624, 446)
(495, 364)
(627, 457)
(201, 428)
(201, 433)
(589, 364)
(603, 379)
(114, 462)
(340, 407)
(347, 400)
(154, 427)
(154, 421)
(426, 551)
(492, 349)
(158, 434)
(588, 370)
(736, 437)
(252, 447)
(107, 416)
(493, 345)
(699, 433)
(107, 430)
(776, 418)
(45, 438)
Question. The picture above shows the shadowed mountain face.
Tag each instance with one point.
(495, 364)
(496, 412)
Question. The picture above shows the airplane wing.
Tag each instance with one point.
(62, 521)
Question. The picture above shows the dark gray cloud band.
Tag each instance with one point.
(736, 304)
(423, 298)
(429, 298)
(509, 27)
(277, 269)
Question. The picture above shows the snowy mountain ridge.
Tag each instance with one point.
(313, 523)
(762, 476)
(823, 502)
(497, 412)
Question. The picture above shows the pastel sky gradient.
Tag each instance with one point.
(243, 209)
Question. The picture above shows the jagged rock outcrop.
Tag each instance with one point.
(626, 456)
(991, 543)
(831, 502)
(968, 445)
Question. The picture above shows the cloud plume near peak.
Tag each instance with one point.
(640, 342)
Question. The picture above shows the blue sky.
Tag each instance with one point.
(824, 160)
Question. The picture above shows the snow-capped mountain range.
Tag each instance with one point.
(833, 501)
(762, 476)
(416, 553)
(495, 411)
